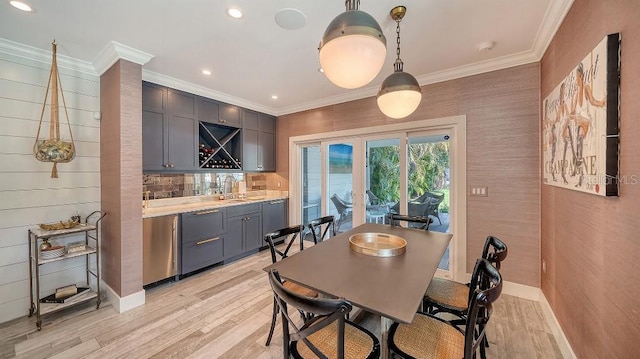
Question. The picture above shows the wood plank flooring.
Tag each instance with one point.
(224, 312)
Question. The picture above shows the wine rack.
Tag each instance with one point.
(220, 147)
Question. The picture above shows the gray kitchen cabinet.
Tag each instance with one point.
(274, 216)
(208, 110)
(258, 142)
(230, 115)
(202, 239)
(244, 230)
(169, 129)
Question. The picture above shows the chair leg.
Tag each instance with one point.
(273, 321)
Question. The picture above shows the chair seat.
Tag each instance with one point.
(448, 294)
(427, 337)
(300, 289)
(358, 343)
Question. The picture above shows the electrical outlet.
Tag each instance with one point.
(279, 184)
(544, 266)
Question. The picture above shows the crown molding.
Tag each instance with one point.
(432, 78)
(178, 84)
(553, 18)
(35, 54)
(115, 51)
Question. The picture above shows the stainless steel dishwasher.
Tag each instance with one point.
(160, 248)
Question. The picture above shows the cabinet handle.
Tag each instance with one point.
(207, 240)
(172, 165)
(207, 212)
(277, 202)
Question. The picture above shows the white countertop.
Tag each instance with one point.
(169, 206)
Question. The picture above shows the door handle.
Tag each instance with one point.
(207, 240)
(207, 212)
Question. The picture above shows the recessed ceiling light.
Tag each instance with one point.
(234, 13)
(274, 97)
(21, 5)
(206, 72)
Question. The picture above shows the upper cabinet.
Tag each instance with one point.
(258, 142)
(189, 133)
(168, 129)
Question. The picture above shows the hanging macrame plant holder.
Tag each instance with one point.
(54, 149)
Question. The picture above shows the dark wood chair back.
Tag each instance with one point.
(292, 233)
(325, 310)
(485, 289)
(315, 226)
(421, 222)
(495, 251)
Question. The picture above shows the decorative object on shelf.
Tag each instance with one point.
(54, 149)
(66, 291)
(76, 247)
(353, 48)
(54, 298)
(399, 94)
(45, 244)
(581, 124)
(52, 252)
(60, 225)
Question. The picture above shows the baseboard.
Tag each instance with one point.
(123, 304)
(558, 334)
(536, 294)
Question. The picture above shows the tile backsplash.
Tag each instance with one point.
(196, 184)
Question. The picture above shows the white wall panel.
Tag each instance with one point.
(18, 127)
(28, 196)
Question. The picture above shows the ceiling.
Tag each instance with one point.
(252, 58)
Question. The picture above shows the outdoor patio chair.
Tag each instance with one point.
(344, 209)
(433, 200)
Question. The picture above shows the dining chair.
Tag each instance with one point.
(421, 222)
(431, 337)
(291, 233)
(445, 295)
(325, 335)
(344, 209)
(315, 226)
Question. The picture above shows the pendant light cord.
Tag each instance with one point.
(398, 65)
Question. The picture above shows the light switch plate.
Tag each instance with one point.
(479, 191)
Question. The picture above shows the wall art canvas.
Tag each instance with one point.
(580, 124)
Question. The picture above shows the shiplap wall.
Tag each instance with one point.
(28, 196)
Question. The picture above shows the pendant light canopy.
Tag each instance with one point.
(353, 48)
(399, 94)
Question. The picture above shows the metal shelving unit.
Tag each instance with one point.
(36, 236)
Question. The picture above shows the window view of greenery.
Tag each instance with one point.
(428, 171)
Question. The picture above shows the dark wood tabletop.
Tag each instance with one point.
(392, 287)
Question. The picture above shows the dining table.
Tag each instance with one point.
(391, 287)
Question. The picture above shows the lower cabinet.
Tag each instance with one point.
(244, 230)
(212, 236)
(274, 216)
(202, 239)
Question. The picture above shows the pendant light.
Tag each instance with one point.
(399, 94)
(353, 48)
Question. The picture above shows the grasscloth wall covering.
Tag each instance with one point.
(592, 244)
(28, 196)
(502, 110)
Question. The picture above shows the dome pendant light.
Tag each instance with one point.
(353, 48)
(399, 94)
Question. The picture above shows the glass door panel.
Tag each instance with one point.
(382, 178)
(311, 193)
(340, 184)
(428, 187)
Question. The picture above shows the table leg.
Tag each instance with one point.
(385, 324)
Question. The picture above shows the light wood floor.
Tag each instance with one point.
(224, 312)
